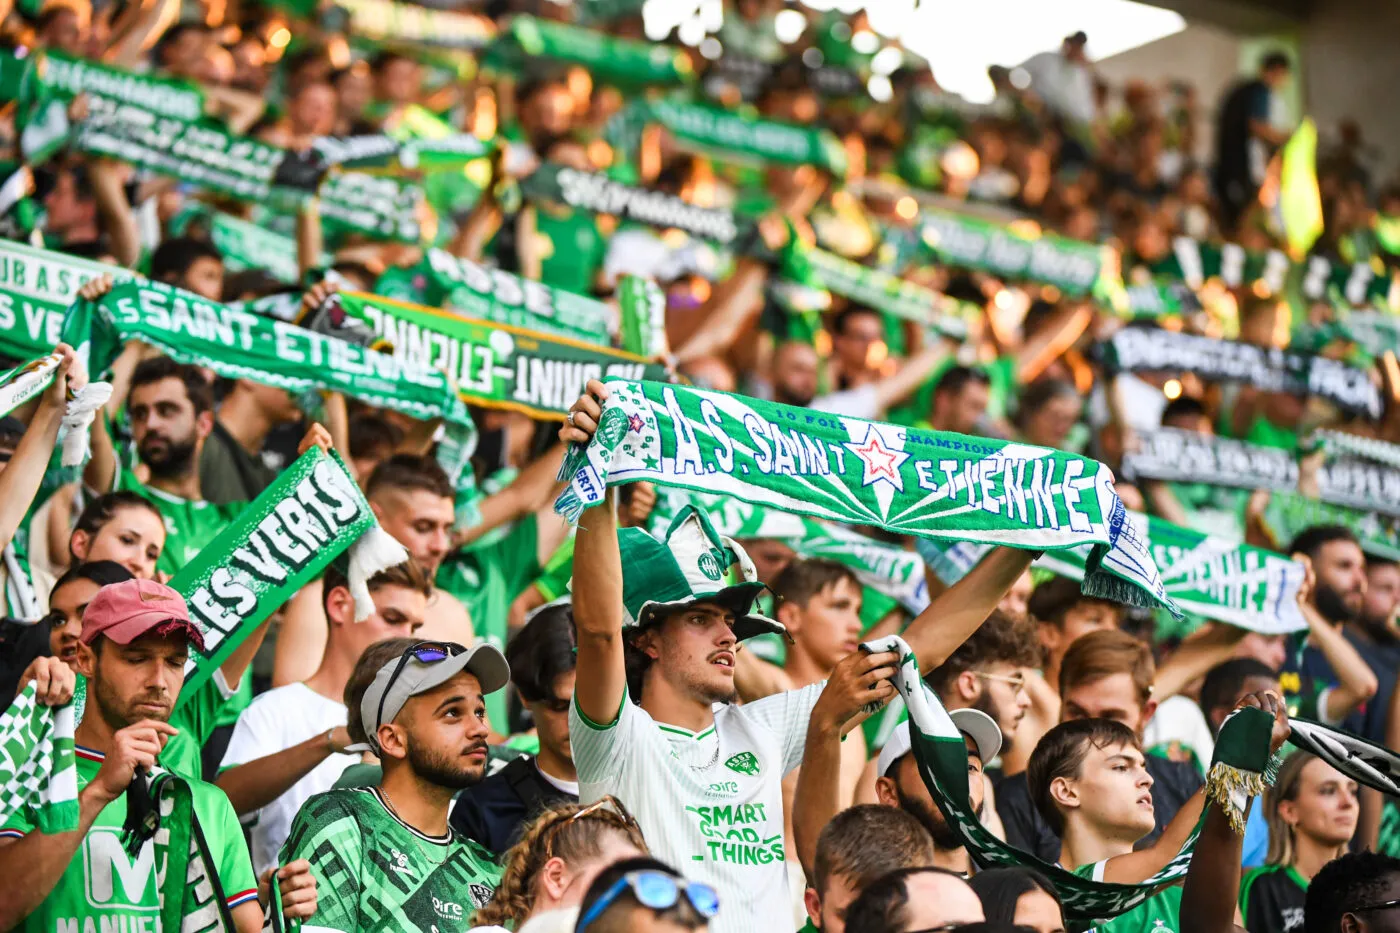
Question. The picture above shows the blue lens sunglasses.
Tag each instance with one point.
(658, 891)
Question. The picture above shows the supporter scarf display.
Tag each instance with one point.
(1134, 349)
(1367, 763)
(1366, 448)
(1188, 456)
(1375, 333)
(442, 280)
(492, 365)
(599, 194)
(751, 76)
(387, 20)
(240, 345)
(1290, 513)
(1237, 772)
(866, 473)
(26, 382)
(37, 766)
(732, 137)
(1239, 585)
(611, 59)
(1072, 266)
(642, 328)
(191, 895)
(36, 288)
(1194, 262)
(874, 288)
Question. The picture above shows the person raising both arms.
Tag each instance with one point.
(658, 635)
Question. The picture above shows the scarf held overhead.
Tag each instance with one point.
(909, 482)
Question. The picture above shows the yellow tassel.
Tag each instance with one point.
(1230, 789)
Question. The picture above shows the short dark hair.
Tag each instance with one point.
(959, 377)
(1275, 59)
(101, 572)
(866, 841)
(1103, 653)
(803, 579)
(1310, 541)
(1223, 683)
(410, 472)
(197, 388)
(1040, 393)
(97, 513)
(173, 258)
(1061, 753)
(1346, 884)
(408, 575)
(542, 652)
(1183, 406)
(371, 660)
(880, 908)
(1002, 639)
(370, 434)
(1000, 888)
(838, 323)
(608, 920)
(1052, 600)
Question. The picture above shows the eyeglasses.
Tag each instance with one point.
(1017, 680)
(1384, 905)
(657, 891)
(425, 652)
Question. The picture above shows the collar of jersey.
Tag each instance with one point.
(442, 840)
(686, 733)
(171, 497)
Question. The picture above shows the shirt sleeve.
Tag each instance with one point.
(600, 750)
(230, 850)
(786, 714)
(332, 843)
(249, 741)
(18, 824)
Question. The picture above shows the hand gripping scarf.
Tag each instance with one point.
(848, 470)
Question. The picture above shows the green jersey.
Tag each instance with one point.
(103, 888)
(1160, 913)
(189, 524)
(375, 873)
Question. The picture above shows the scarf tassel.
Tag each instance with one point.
(1230, 789)
(374, 551)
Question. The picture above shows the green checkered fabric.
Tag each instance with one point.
(37, 767)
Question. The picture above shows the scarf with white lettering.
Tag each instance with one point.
(1191, 457)
(1240, 585)
(1238, 771)
(861, 472)
(610, 59)
(492, 365)
(1134, 349)
(1073, 266)
(1290, 513)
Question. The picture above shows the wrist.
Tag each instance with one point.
(94, 796)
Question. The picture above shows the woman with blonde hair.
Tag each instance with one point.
(1311, 811)
(548, 871)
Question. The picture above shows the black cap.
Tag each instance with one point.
(1078, 38)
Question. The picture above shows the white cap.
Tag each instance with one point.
(977, 725)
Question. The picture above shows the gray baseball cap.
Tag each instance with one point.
(416, 671)
(973, 723)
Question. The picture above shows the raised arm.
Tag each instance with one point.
(1356, 682)
(1212, 644)
(911, 375)
(529, 492)
(598, 608)
(1212, 888)
(19, 482)
(118, 219)
(957, 612)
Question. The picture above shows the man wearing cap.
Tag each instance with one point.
(653, 723)
(384, 857)
(137, 635)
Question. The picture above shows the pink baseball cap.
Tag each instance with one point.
(125, 611)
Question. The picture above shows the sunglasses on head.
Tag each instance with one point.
(655, 890)
(425, 652)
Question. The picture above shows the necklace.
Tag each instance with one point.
(713, 758)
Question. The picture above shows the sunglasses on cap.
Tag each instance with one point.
(655, 890)
(425, 652)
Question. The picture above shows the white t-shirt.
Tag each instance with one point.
(709, 803)
(275, 721)
(860, 402)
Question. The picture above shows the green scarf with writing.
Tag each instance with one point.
(915, 482)
(36, 288)
(1288, 514)
(599, 194)
(610, 59)
(1072, 266)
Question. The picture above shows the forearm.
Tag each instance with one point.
(598, 609)
(310, 237)
(32, 866)
(948, 621)
(1164, 502)
(478, 229)
(1212, 885)
(256, 784)
(1195, 657)
(818, 796)
(1067, 327)
(735, 301)
(117, 217)
(19, 482)
(1356, 682)
(529, 492)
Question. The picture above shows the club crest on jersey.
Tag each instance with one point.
(744, 763)
(399, 863)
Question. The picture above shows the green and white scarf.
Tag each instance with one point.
(1072, 266)
(861, 472)
(1240, 585)
(36, 288)
(388, 20)
(492, 365)
(37, 766)
(597, 193)
(1367, 763)
(245, 245)
(239, 345)
(732, 137)
(191, 894)
(642, 307)
(1134, 349)
(442, 280)
(611, 59)
(1288, 514)
(1189, 456)
(1340, 443)
(1237, 772)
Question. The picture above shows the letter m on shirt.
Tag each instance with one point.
(114, 879)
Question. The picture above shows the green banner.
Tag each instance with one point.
(596, 192)
(36, 288)
(390, 21)
(245, 245)
(610, 59)
(1289, 514)
(1072, 266)
(492, 365)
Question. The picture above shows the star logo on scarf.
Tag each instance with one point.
(635, 422)
(878, 460)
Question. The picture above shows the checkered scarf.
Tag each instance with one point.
(37, 767)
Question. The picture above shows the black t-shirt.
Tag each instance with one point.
(1248, 101)
(1173, 783)
(228, 473)
(1272, 900)
(494, 812)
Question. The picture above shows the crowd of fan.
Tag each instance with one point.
(393, 779)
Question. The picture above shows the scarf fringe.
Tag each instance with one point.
(374, 551)
(1230, 789)
(77, 419)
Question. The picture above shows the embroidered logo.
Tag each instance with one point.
(743, 763)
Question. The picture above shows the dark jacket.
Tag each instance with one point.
(493, 812)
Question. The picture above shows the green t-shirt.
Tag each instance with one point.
(196, 720)
(189, 525)
(103, 888)
(572, 248)
(376, 873)
(1160, 913)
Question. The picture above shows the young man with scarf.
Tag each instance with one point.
(137, 637)
(653, 721)
(384, 856)
(1089, 780)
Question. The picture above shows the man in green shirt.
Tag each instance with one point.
(1089, 781)
(136, 636)
(384, 857)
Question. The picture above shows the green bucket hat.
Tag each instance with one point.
(690, 566)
